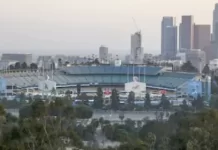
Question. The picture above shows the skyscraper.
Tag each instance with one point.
(166, 22)
(136, 48)
(103, 54)
(170, 45)
(202, 36)
(186, 33)
(215, 24)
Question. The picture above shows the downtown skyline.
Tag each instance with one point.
(58, 28)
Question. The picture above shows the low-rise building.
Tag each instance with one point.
(27, 58)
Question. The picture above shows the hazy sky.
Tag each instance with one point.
(80, 26)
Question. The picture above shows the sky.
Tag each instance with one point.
(80, 26)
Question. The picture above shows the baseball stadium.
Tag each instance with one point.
(140, 79)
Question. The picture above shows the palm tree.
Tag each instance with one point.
(53, 91)
(121, 116)
(68, 94)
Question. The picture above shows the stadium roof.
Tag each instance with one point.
(108, 70)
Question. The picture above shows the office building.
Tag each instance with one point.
(202, 36)
(127, 59)
(166, 22)
(186, 33)
(46, 62)
(197, 58)
(215, 24)
(136, 48)
(27, 58)
(170, 44)
(211, 51)
(103, 54)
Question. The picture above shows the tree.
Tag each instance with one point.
(196, 131)
(139, 124)
(214, 101)
(2, 111)
(68, 94)
(206, 69)
(115, 100)
(24, 65)
(130, 123)
(96, 61)
(184, 105)
(60, 62)
(164, 102)
(164, 144)
(39, 109)
(33, 66)
(52, 66)
(131, 99)
(98, 99)
(147, 103)
(11, 67)
(121, 116)
(39, 130)
(83, 112)
(84, 98)
(17, 65)
(188, 67)
(150, 141)
(78, 89)
(66, 63)
(198, 103)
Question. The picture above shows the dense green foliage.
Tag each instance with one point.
(98, 99)
(42, 126)
(183, 131)
(188, 67)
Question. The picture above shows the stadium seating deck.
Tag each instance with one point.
(107, 75)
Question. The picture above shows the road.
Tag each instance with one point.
(134, 115)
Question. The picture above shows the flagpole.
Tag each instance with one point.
(144, 73)
(139, 73)
(127, 73)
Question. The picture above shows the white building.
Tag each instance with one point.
(103, 54)
(197, 57)
(137, 53)
(46, 62)
(181, 56)
(27, 58)
(118, 63)
(213, 64)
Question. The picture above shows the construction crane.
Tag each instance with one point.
(136, 26)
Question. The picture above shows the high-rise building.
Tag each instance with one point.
(202, 36)
(186, 33)
(136, 48)
(215, 24)
(103, 54)
(170, 45)
(166, 22)
(197, 58)
(211, 51)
